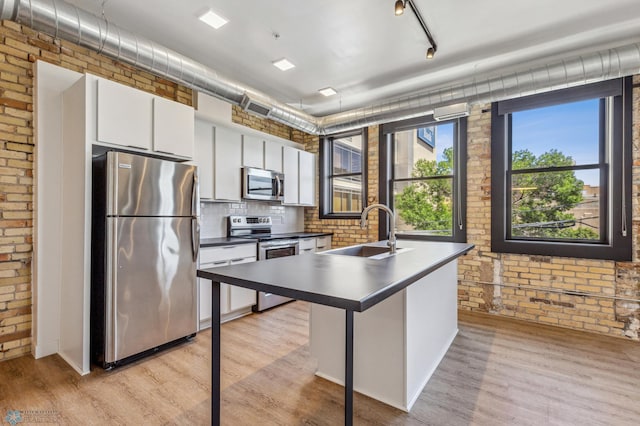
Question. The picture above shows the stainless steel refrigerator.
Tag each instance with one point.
(145, 241)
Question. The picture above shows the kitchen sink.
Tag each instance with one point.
(370, 251)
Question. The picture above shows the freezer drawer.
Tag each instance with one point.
(150, 288)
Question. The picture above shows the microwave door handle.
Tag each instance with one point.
(278, 187)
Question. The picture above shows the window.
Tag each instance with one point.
(561, 173)
(423, 163)
(343, 175)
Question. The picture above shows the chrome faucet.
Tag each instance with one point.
(392, 223)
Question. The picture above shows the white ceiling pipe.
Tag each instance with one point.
(63, 20)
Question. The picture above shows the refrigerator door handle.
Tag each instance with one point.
(111, 290)
(195, 195)
(195, 220)
(195, 237)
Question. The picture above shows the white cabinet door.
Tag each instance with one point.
(241, 297)
(203, 158)
(307, 245)
(290, 170)
(205, 293)
(307, 177)
(124, 115)
(227, 164)
(173, 130)
(273, 156)
(323, 243)
(252, 152)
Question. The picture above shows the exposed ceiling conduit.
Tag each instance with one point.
(63, 20)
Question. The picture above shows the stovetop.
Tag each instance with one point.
(259, 228)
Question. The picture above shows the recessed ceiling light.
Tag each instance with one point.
(283, 64)
(212, 19)
(328, 91)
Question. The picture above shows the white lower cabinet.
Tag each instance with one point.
(240, 297)
(323, 243)
(234, 301)
(307, 245)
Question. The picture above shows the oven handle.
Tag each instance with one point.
(279, 247)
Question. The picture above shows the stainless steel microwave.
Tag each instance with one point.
(260, 184)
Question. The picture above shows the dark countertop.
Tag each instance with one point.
(224, 241)
(346, 282)
(304, 234)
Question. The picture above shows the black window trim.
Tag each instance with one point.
(385, 176)
(326, 203)
(617, 208)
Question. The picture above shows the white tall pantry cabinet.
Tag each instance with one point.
(94, 115)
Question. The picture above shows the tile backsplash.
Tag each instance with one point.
(213, 216)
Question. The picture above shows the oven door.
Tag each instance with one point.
(275, 249)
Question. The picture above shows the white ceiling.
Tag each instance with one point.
(364, 51)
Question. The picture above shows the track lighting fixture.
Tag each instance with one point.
(430, 52)
(400, 5)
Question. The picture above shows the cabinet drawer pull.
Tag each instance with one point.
(228, 247)
(236, 260)
(220, 262)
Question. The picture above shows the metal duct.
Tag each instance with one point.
(63, 20)
(590, 68)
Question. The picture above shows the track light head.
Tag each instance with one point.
(430, 52)
(399, 7)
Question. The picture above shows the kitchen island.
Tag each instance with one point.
(349, 283)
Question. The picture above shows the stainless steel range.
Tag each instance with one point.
(270, 246)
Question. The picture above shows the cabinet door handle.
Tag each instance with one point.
(221, 262)
(236, 260)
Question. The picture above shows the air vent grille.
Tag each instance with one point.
(254, 107)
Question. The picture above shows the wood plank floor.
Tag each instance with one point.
(497, 372)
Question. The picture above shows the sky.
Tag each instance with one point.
(569, 128)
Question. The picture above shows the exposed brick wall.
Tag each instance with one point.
(20, 47)
(539, 288)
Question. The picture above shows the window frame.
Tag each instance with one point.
(386, 175)
(616, 172)
(326, 174)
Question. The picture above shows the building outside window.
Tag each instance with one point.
(424, 168)
(343, 175)
(561, 172)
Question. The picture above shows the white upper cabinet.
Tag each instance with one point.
(204, 157)
(306, 178)
(124, 115)
(273, 156)
(173, 128)
(138, 120)
(227, 155)
(290, 170)
(252, 151)
(299, 176)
